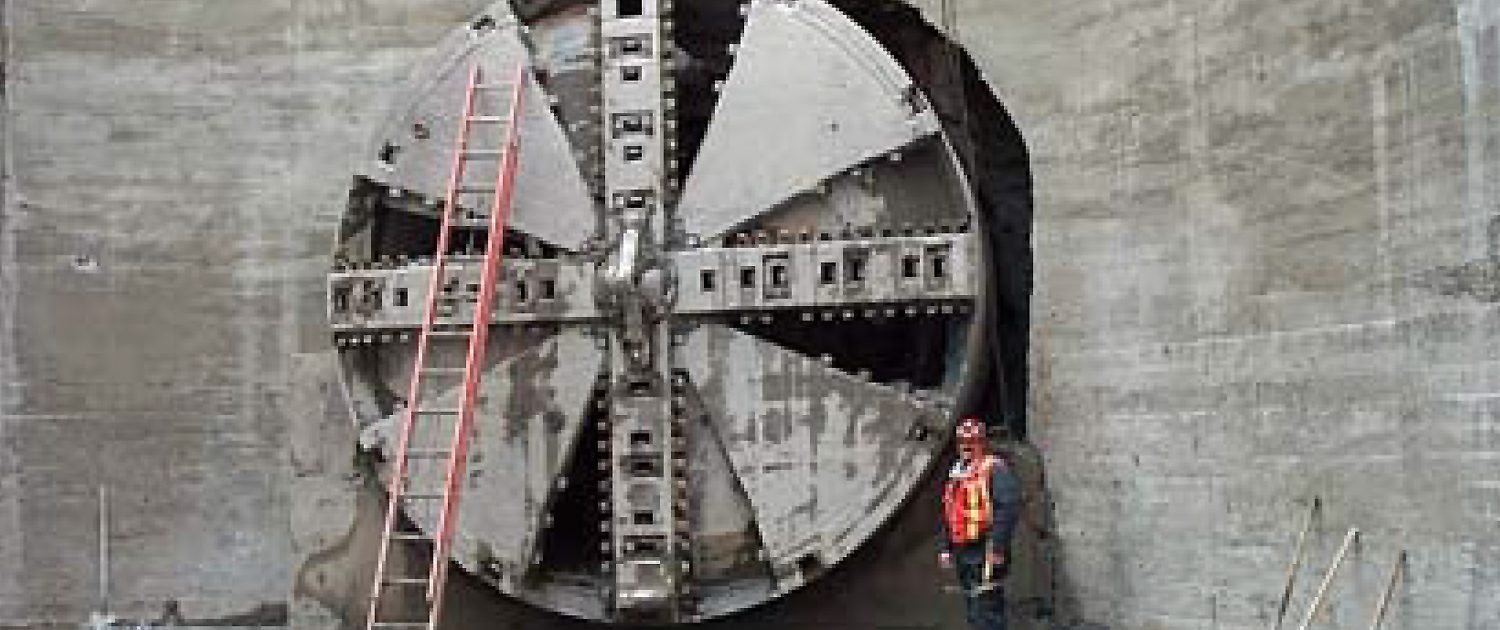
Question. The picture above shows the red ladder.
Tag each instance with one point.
(418, 410)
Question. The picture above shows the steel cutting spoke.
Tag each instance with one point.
(523, 443)
(818, 451)
(892, 275)
(383, 301)
(804, 101)
(551, 201)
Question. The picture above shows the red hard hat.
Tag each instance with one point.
(970, 430)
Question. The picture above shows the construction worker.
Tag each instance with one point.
(981, 503)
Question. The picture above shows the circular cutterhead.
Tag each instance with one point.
(813, 292)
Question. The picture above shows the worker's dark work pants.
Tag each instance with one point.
(986, 609)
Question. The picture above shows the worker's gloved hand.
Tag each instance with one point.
(945, 560)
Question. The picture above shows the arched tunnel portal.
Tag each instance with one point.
(827, 213)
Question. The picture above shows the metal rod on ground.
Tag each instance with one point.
(1333, 570)
(1296, 564)
(1390, 589)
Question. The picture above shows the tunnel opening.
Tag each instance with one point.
(921, 351)
(707, 35)
(390, 225)
(573, 542)
(914, 351)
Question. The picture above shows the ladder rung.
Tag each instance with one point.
(442, 411)
(426, 453)
(444, 370)
(405, 581)
(486, 119)
(400, 624)
(484, 153)
(408, 536)
(449, 333)
(494, 86)
(468, 190)
(422, 496)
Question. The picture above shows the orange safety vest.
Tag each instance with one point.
(967, 510)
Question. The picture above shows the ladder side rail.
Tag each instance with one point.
(1296, 563)
(478, 340)
(1384, 603)
(1350, 539)
(434, 287)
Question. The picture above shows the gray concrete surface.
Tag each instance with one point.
(178, 168)
(1266, 252)
(1267, 263)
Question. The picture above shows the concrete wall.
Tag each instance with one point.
(1267, 252)
(1267, 267)
(176, 170)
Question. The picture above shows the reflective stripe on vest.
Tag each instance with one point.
(966, 502)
